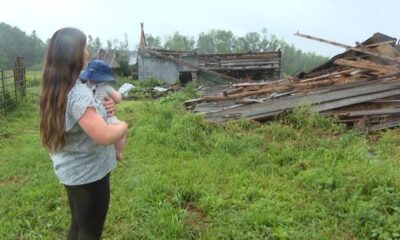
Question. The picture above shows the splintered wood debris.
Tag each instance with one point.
(361, 87)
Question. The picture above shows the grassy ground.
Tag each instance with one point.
(301, 177)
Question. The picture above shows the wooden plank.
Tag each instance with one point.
(216, 106)
(325, 83)
(209, 56)
(385, 125)
(347, 71)
(244, 94)
(276, 82)
(390, 42)
(368, 65)
(387, 111)
(246, 60)
(338, 87)
(376, 44)
(233, 91)
(354, 100)
(336, 104)
(229, 65)
(253, 67)
(214, 89)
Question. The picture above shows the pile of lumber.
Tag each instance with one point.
(360, 86)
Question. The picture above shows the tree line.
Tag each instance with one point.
(14, 42)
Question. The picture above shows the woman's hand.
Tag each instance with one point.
(109, 105)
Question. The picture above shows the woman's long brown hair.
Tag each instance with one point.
(63, 63)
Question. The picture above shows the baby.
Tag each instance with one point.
(99, 76)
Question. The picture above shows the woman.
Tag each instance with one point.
(74, 132)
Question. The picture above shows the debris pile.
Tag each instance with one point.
(360, 86)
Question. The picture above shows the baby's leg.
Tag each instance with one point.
(119, 146)
(120, 143)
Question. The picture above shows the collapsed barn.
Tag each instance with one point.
(360, 86)
(170, 66)
(173, 66)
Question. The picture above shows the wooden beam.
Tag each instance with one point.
(323, 40)
(243, 94)
(261, 84)
(347, 71)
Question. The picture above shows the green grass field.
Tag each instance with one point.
(300, 177)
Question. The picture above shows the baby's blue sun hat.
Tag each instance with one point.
(98, 71)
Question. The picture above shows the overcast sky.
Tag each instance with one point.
(344, 21)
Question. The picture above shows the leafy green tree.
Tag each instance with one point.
(36, 52)
(205, 43)
(121, 50)
(216, 41)
(268, 42)
(180, 42)
(109, 45)
(14, 42)
(293, 60)
(94, 44)
(3, 58)
(153, 42)
(249, 42)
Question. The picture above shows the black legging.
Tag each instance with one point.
(89, 205)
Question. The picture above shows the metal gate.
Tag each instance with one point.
(12, 84)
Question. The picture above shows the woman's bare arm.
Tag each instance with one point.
(98, 130)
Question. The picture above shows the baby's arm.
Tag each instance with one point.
(113, 94)
(116, 96)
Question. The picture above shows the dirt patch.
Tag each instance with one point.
(6, 134)
(195, 216)
(10, 181)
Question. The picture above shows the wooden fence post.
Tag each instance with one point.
(19, 76)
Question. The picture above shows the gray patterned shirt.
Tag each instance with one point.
(82, 160)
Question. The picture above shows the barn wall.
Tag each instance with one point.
(154, 68)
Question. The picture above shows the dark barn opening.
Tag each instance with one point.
(185, 77)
